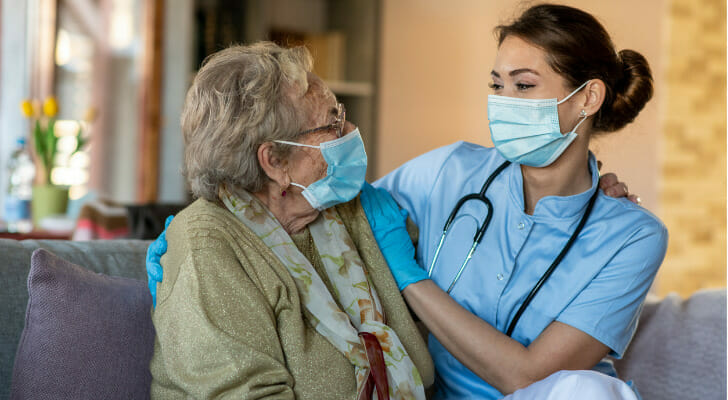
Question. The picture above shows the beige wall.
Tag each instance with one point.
(434, 71)
(694, 159)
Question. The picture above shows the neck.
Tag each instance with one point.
(292, 211)
(567, 176)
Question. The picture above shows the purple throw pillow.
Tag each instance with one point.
(86, 335)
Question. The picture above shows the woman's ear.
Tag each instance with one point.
(274, 167)
(595, 91)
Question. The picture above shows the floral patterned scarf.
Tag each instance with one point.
(345, 269)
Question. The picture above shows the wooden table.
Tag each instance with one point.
(36, 234)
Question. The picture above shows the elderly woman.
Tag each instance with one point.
(273, 283)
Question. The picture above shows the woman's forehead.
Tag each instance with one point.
(516, 54)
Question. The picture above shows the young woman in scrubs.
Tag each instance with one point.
(589, 307)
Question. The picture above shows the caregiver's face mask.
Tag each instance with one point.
(345, 174)
(527, 131)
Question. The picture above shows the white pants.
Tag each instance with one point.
(576, 385)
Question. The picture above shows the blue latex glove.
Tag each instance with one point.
(389, 225)
(154, 267)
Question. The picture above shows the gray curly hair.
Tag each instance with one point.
(242, 97)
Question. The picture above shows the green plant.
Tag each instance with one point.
(45, 141)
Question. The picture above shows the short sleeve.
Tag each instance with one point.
(412, 183)
(609, 306)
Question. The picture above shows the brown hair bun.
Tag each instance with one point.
(631, 92)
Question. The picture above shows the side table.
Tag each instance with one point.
(36, 234)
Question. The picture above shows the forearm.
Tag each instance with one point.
(499, 360)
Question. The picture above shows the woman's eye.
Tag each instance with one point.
(495, 86)
(523, 86)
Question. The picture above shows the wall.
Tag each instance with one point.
(14, 82)
(177, 64)
(693, 198)
(121, 182)
(119, 99)
(120, 140)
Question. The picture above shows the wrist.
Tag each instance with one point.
(416, 286)
(410, 274)
(408, 283)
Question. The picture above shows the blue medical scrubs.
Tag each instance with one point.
(598, 288)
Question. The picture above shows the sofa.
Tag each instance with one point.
(84, 331)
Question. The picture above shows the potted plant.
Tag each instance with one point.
(48, 198)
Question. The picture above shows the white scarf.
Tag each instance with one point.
(345, 269)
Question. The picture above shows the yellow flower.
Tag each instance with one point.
(50, 107)
(27, 108)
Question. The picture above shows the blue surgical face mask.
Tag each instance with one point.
(345, 175)
(527, 131)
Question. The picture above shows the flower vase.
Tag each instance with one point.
(48, 200)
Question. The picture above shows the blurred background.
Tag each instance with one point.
(413, 74)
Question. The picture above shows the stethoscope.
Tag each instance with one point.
(481, 231)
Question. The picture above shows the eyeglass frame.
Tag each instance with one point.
(337, 125)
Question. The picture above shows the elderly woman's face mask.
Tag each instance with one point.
(347, 167)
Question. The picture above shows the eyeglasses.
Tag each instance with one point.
(337, 126)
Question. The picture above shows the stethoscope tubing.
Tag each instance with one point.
(552, 267)
(481, 232)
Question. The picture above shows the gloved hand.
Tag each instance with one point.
(154, 267)
(389, 225)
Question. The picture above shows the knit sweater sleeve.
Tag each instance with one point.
(216, 329)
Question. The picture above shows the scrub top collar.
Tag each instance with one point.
(553, 207)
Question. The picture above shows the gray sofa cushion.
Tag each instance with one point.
(112, 257)
(679, 349)
(86, 335)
